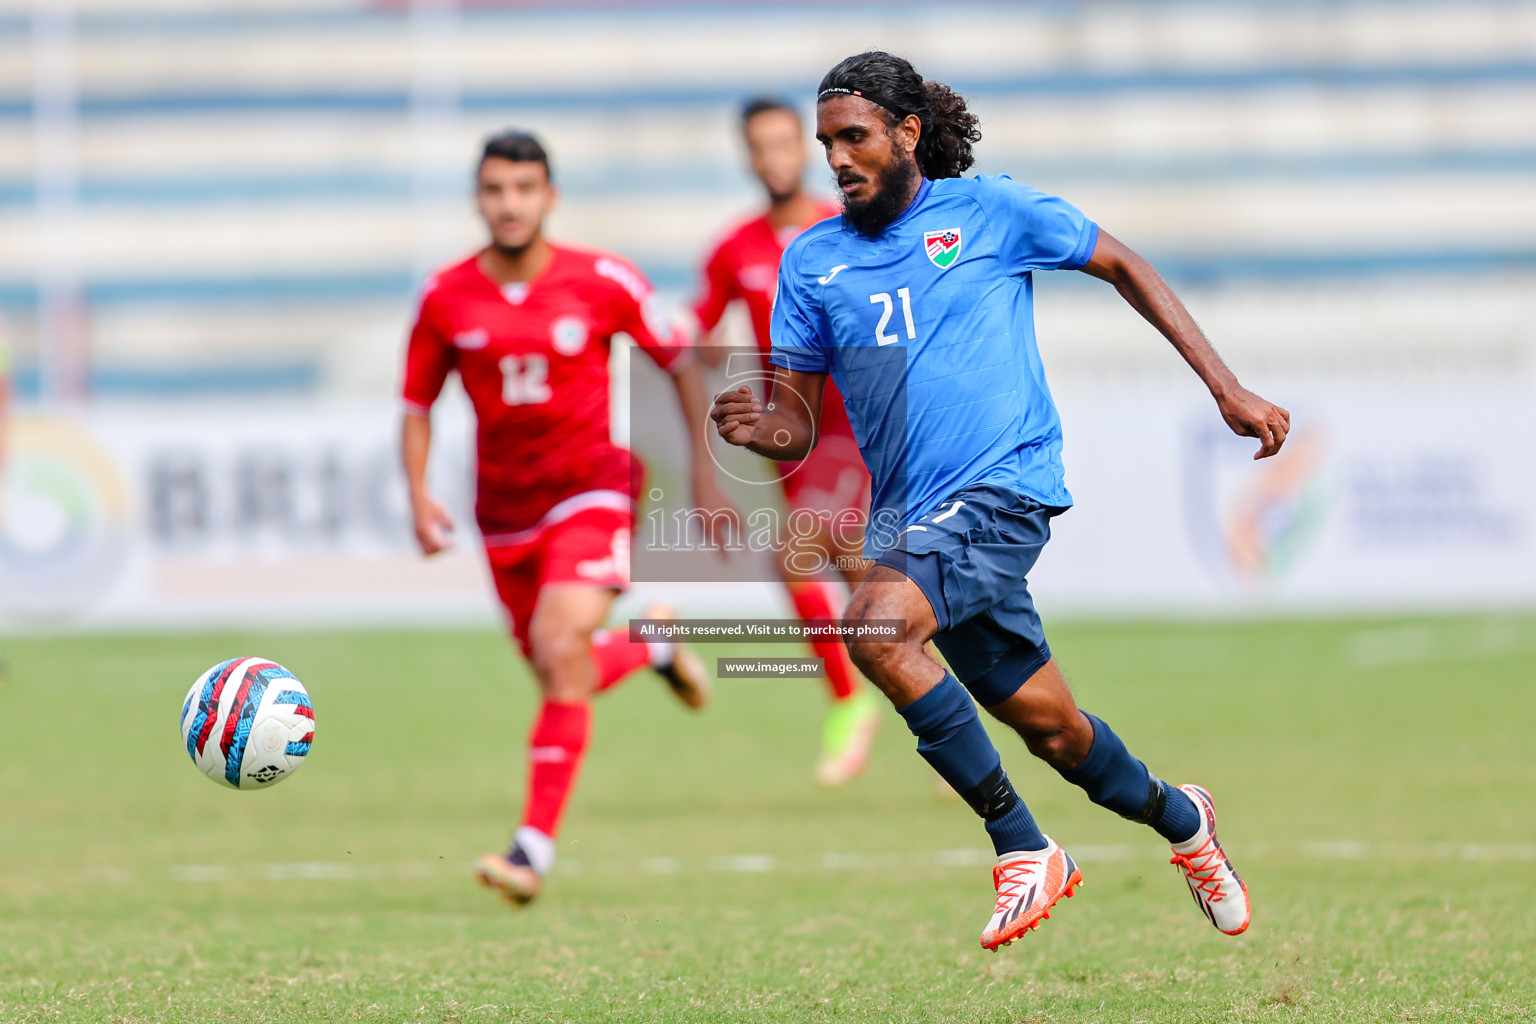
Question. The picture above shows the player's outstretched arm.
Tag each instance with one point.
(1133, 277)
(693, 396)
(786, 429)
(431, 520)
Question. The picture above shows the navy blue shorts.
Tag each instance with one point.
(970, 557)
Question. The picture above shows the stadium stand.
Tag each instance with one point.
(1335, 186)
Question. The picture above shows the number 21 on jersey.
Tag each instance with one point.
(524, 380)
(884, 299)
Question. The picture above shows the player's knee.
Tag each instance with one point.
(869, 655)
(557, 651)
(870, 604)
(873, 658)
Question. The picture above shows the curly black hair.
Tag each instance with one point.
(948, 128)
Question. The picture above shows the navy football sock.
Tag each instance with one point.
(1115, 779)
(1015, 830)
(950, 737)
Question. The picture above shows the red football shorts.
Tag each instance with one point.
(831, 479)
(589, 549)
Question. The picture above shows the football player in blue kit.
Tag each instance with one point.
(918, 301)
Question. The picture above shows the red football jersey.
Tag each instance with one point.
(533, 357)
(745, 266)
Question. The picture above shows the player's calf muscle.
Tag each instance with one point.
(1046, 717)
(1058, 744)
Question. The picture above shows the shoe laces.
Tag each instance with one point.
(1202, 869)
(1008, 879)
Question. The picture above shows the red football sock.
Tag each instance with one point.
(616, 656)
(818, 601)
(555, 746)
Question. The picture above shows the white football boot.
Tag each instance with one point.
(1218, 891)
(1028, 886)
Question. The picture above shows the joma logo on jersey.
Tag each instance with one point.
(942, 247)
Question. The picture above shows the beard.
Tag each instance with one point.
(897, 185)
(511, 251)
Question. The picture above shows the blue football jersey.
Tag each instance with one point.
(929, 332)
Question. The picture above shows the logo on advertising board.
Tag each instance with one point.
(1252, 521)
(64, 518)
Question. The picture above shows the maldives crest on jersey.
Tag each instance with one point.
(942, 246)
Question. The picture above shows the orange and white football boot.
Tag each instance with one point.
(518, 884)
(1028, 886)
(1218, 891)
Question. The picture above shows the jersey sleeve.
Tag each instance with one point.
(719, 288)
(1035, 231)
(797, 328)
(429, 356)
(640, 313)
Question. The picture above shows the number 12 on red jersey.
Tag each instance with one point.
(524, 380)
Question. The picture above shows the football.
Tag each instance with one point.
(247, 723)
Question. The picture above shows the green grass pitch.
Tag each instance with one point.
(1376, 781)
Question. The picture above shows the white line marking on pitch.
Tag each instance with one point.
(1393, 646)
(762, 863)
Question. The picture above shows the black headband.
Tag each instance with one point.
(838, 90)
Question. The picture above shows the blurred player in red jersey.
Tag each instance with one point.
(528, 324)
(832, 483)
